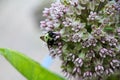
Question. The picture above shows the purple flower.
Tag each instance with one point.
(112, 41)
(47, 25)
(103, 52)
(93, 16)
(97, 32)
(58, 10)
(76, 70)
(43, 24)
(78, 62)
(103, 39)
(46, 12)
(89, 42)
(87, 75)
(90, 54)
(52, 52)
(111, 53)
(117, 6)
(66, 74)
(71, 57)
(110, 10)
(85, 44)
(115, 63)
(99, 69)
(77, 26)
(109, 71)
(67, 22)
(76, 38)
(92, 41)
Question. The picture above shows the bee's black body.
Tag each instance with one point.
(53, 40)
(50, 39)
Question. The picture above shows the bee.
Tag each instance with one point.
(50, 39)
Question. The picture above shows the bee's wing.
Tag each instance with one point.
(42, 38)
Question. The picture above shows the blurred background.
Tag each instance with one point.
(19, 30)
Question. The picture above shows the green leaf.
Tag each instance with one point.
(109, 29)
(28, 67)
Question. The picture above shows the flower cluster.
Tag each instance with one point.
(89, 36)
(117, 6)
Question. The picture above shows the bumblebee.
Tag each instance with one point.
(50, 38)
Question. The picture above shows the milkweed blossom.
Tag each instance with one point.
(89, 36)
